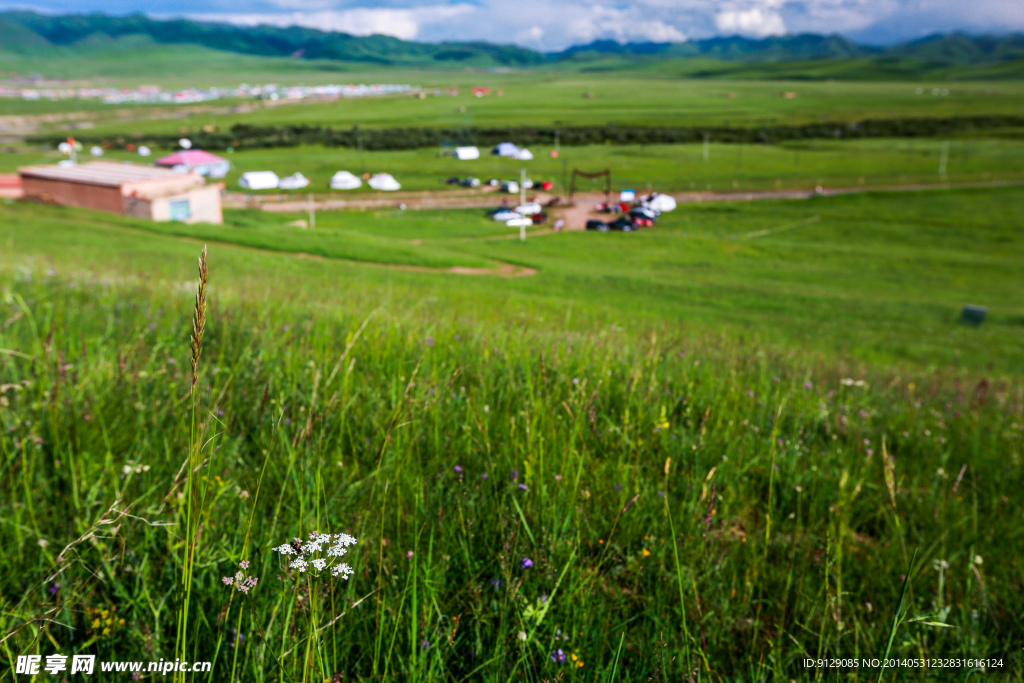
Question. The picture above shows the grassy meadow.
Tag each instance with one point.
(754, 434)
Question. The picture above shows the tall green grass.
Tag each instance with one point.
(686, 503)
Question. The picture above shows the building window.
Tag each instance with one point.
(180, 210)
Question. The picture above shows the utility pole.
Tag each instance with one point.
(522, 201)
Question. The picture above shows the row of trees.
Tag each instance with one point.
(244, 136)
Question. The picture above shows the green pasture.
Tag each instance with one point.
(879, 277)
(642, 98)
(751, 435)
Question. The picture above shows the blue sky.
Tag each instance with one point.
(556, 24)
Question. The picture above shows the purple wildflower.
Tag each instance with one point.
(458, 469)
(425, 644)
(430, 342)
(527, 563)
(514, 475)
(522, 486)
(54, 587)
(808, 385)
(483, 476)
(618, 487)
(557, 656)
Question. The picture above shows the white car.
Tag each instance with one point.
(510, 186)
(506, 215)
(529, 209)
(519, 222)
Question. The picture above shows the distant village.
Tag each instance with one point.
(152, 94)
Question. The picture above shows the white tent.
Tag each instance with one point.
(510, 186)
(343, 180)
(144, 151)
(467, 153)
(529, 208)
(524, 155)
(296, 181)
(519, 222)
(660, 202)
(96, 151)
(505, 149)
(258, 180)
(384, 181)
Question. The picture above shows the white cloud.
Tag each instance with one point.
(399, 23)
(755, 21)
(550, 25)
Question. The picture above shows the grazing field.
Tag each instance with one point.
(651, 96)
(753, 434)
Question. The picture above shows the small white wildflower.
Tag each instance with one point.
(522, 636)
(940, 565)
(319, 564)
(977, 559)
(43, 542)
(299, 563)
(285, 549)
(342, 569)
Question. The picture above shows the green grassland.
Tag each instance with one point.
(732, 446)
(622, 98)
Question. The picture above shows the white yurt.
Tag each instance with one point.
(259, 180)
(524, 155)
(296, 181)
(519, 222)
(660, 202)
(96, 151)
(343, 180)
(385, 182)
(467, 153)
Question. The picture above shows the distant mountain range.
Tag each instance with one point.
(36, 36)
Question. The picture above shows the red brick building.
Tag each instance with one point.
(141, 191)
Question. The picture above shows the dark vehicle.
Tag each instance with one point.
(539, 217)
(623, 224)
(600, 226)
(453, 181)
(641, 212)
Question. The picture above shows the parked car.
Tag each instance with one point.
(471, 182)
(600, 226)
(505, 215)
(539, 217)
(452, 181)
(644, 212)
(623, 224)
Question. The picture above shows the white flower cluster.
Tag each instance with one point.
(312, 553)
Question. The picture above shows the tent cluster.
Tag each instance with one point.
(342, 180)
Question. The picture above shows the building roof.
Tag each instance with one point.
(190, 157)
(106, 173)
